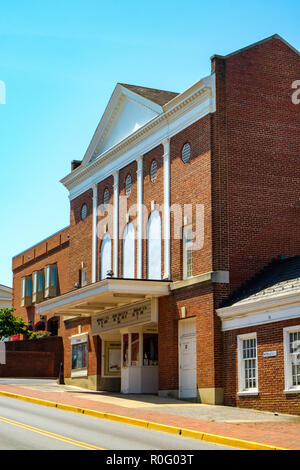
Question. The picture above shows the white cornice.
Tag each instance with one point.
(276, 308)
(182, 111)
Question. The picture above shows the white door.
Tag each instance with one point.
(187, 359)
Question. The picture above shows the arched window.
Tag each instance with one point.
(154, 246)
(129, 252)
(105, 257)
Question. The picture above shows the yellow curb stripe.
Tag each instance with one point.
(46, 433)
(188, 433)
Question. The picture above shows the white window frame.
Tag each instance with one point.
(128, 255)
(289, 387)
(105, 257)
(187, 246)
(154, 264)
(242, 390)
(81, 338)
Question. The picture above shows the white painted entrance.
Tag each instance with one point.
(187, 358)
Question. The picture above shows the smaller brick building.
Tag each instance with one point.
(261, 340)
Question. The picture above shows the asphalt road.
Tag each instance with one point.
(26, 426)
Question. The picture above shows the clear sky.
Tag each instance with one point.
(60, 61)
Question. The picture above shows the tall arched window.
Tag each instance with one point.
(154, 246)
(105, 256)
(129, 252)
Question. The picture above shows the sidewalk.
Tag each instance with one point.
(282, 431)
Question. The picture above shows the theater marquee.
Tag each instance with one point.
(134, 314)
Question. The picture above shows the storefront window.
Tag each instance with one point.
(79, 356)
(112, 358)
(150, 349)
(125, 350)
(134, 349)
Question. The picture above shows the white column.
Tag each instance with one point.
(167, 222)
(94, 237)
(140, 217)
(116, 225)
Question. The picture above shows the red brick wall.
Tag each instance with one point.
(261, 148)
(36, 358)
(53, 250)
(270, 370)
(199, 304)
(152, 192)
(130, 200)
(81, 238)
(106, 218)
(191, 184)
(94, 346)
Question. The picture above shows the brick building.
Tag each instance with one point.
(178, 201)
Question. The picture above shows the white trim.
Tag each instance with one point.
(79, 373)
(79, 338)
(150, 288)
(115, 103)
(140, 180)
(185, 109)
(241, 376)
(167, 216)
(94, 236)
(279, 307)
(289, 388)
(187, 243)
(116, 226)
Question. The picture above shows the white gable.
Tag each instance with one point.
(126, 113)
(131, 117)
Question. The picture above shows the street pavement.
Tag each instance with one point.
(27, 426)
(272, 429)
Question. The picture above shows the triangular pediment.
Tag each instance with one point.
(129, 108)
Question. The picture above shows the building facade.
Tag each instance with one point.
(5, 296)
(261, 339)
(179, 199)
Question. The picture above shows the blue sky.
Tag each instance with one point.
(60, 61)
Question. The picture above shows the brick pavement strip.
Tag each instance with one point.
(282, 435)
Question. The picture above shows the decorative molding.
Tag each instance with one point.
(94, 235)
(178, 114)
(278, 308)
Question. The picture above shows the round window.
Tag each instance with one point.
(106, 197)
(153, 171)
(128, 185)
(83, 212)
(186, 153)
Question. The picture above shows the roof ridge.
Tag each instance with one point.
(145, 87)
(156, 95)
(249, 287)
(257, 43)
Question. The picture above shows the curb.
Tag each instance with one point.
(188, 433)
